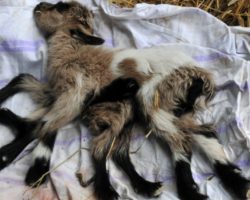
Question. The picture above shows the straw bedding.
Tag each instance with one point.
(232, 12)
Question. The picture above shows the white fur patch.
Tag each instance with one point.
(248, 194)
(164, 121)
(41, 151)
(159, 191)
(212, 148)
(155, 60)
(147, 92)
(4, 158)
(178, 157)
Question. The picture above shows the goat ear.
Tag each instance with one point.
(88, 39)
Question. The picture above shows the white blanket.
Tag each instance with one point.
(224, 50)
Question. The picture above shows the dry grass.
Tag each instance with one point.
(232, 12)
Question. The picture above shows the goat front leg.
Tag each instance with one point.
(41, 160)
(23, 129)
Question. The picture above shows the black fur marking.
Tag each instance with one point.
(35, 172)
(50, 98)
(193, 93)
(232, 180)
(9, 152)
(49, 140)
(89, 99)
(12, 87)
(87, 39)
(207, 133)
(102, 187)
(186, 187)
(118, 90)
(103, 125)
(41, 164)
(122, 159)
(13, 121)
(62, 7)
(24, 135)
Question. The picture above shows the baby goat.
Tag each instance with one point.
(76, 70)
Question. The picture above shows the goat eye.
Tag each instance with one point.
(61, 7)
(84, 23)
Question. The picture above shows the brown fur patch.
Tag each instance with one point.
(128, 67)
(175, 86)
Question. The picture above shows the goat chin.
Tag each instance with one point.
(171, 86)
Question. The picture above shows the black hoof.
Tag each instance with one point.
(232, 179)
(191, 193)
(148, 189)
(40, 167)
(9, 152)
(105, 192)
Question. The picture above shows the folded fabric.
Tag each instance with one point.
(224, 50)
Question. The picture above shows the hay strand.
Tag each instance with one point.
(232, 12)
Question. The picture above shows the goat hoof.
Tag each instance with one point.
(34, 176)
(194, 195)
(149, 189)
(8, 153)
(107, 194)
(4, 161)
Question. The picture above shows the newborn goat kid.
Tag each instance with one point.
(77, 71)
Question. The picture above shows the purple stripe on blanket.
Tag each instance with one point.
(20, 45)
(11, 181)
(203, 176)
(231, 84)
(243, 163)
(3, 82)
(224, 128)
(22, 42)
(66, 142)
(207, 58)
(109, 42)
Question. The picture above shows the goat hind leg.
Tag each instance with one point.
(228, 173)
(100, 148)
(166, 127)
(186, 187)
(122, 159)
